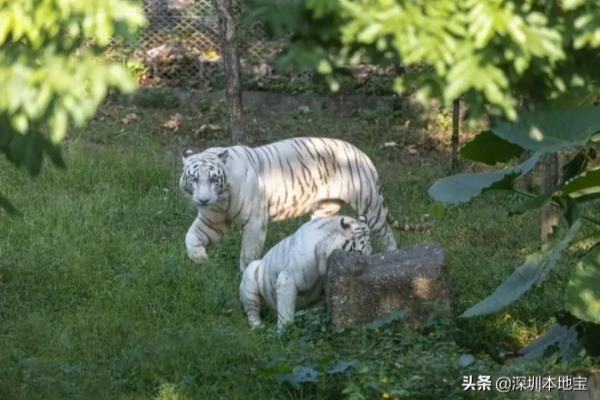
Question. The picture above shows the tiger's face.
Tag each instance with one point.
(204, 177)
(358, 237)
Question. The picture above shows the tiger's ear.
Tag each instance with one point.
(344, 224)
(223, 156)
(186, 154)
(362, 219)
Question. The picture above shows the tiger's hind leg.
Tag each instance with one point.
(286, 300)
(327, 208)
(254, 234)
(378, 225)
(250, 293)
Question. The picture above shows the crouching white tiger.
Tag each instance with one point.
(291, 275)
(250, 187)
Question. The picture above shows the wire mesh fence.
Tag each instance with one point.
(181, 47)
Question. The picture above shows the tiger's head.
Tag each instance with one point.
(204, 177)
(357, 234)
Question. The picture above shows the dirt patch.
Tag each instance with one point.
(396, 127)
(341, 105)
(260, 102)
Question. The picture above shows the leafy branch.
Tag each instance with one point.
(541, 131)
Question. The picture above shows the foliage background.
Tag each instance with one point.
(490, 53)
(50, 74)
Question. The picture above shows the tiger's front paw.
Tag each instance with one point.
(198, 255)
(255, 323)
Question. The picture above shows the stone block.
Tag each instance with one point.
(360, 289)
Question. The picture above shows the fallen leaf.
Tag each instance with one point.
(208, 127)
(174, 122)
(201, 128)
(146, 80)
(129, 118)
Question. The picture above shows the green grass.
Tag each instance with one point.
(98, 299)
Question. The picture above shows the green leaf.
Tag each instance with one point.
(34, 153)
(465, 360)
(387, 319)
(463, 187)
(341, 366)
(59, 123)
(490, 149)
(533, 271)
(16, 149)
(299, 375)
(550, 130)
(582, 297)
(583, 185)
(324, 67)
(570, 207)
(563, 336)
(54, 152)
(531, 204)
(588, 197)
(576, 165)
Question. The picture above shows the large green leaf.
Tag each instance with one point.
(583, 289)
(387, 319)
(341, 367)
(533, 271)
(490, 149)
(588, 197)
(300, 375)
(576, 165)
(550, 130)
(54, 152)
(531, 203)
(463, 187)
(28, 149)
(562, 336)
(583, 185)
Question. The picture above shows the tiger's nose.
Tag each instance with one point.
(201, 201)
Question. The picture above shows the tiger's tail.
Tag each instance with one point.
(421, 226)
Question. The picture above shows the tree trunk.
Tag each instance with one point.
(549, 215)
(455, 132)
(231, 65)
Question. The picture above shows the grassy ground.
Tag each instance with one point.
(98, 300)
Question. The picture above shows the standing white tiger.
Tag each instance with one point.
(291, 275)
(250, 187)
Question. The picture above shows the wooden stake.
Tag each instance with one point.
(455, 132)
(231, 65)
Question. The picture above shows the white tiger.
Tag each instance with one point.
(291, 275)
(250, 187)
